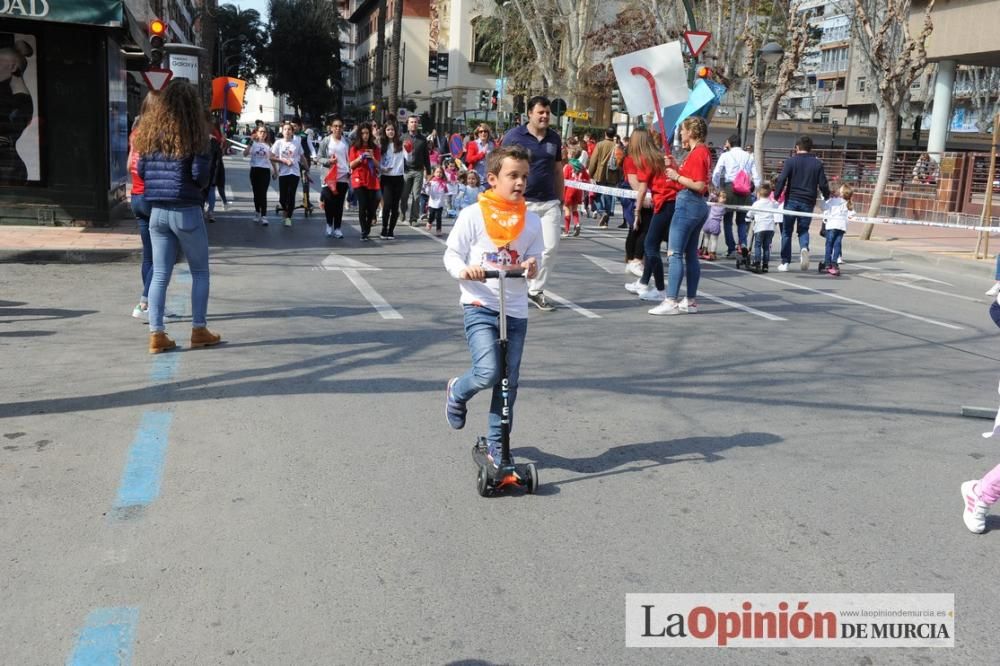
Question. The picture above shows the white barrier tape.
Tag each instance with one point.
(630, 194)
(236, 144)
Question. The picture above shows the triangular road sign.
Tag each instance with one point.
(696, 41)
(157, 79)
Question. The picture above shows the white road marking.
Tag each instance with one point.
(740, 306)
(352, 269)
(613, 267)
(843, 298)
(551, 295)
(889, 278)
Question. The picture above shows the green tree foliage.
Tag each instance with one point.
(302, 57)
(241, 55)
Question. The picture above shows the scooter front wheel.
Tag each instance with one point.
(483, 482)
(532, 481)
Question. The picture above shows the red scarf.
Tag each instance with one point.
(504, 219)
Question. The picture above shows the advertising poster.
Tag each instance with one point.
(20, 153)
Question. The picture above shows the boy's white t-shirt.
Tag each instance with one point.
(765, 213)
(470, 245)
(291, 150)
(836, 213)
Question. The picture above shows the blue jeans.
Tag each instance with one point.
(741, 229)
(171, 227)
(482, 330)
(997, 272)
(762, 246)
(799, 224)
(140, 207)
(690, 214)
(606, 202)
(652, 262)
(833, 241)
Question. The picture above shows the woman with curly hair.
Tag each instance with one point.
(172, 144)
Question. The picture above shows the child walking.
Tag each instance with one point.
(713, 227)
(572, 196)
(839, 211)
(497, 233)
(436, 190)
(765, 216)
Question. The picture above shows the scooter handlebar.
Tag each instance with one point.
(512, 273)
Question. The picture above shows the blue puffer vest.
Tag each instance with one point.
(172, 181)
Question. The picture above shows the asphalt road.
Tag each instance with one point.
(306, 503)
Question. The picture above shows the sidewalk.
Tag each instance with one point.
(33, 244)
(952, 249)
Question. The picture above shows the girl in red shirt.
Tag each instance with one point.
(364, 157)
(690, 214)
(651, 176)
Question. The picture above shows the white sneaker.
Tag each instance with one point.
(329, 232)
(256, 218)
(635, 268)
(263, 221)
(288, 222)
(804, 259)
(667, 307)
(688, 307)
(337, 233)
(225, 207)
(636, 287)
(653, 294)
(783, 268)
(975, 508)
(994, 290)
(140, 313)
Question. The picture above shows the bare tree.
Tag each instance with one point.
(397, 40)
(791, 30)
(379, 53)
(895, 58)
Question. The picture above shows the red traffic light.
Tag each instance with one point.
(704, 72)
(157, 28)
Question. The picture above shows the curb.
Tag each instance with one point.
(69, 256)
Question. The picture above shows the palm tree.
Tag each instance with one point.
(397, 40)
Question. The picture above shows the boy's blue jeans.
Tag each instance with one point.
(482, 330)
(762, 246)
(833, 242)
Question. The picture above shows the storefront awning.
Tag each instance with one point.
(91, 12)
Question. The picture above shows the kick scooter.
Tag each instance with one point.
(507, 475)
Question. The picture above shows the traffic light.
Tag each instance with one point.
(484, 99)
(373, 107)
(616, 100)
(157, 41)
(704, 72)
(493, 100)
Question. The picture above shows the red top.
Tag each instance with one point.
(138, 184)
(662, 188)
(571, 195)
(698, 166)
(365, 174)
(473, 154)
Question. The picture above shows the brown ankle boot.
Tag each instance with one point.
(202, 337)
(159, 342)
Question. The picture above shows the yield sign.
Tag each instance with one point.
(157, 79)
(696, 41)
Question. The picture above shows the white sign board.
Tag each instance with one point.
(655, 73)
(184, 67)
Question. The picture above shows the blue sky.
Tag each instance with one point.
(259, 5)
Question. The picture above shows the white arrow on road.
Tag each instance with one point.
(352, 269)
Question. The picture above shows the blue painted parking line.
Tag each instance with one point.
(106, 638)
(140, 482)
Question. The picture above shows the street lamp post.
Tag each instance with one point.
(767, 55)
(503, 82)
(222, 47)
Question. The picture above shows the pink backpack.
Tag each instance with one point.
(742, 184)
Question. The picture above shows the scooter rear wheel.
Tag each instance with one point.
(483, 482)
(532, 479)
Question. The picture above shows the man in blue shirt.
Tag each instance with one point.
(800, 177)
(543, 192)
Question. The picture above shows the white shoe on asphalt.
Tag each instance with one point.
(337, 233)
(288, 222)
(140, 313)
(688, 306)
(635, 287)
(974, 514)
(329, 232)
(256, 218)
(994, 290)
(783, 268)
(263, 221)
(653, 294)
(667, 307)
(804, 259)
(635, 268)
